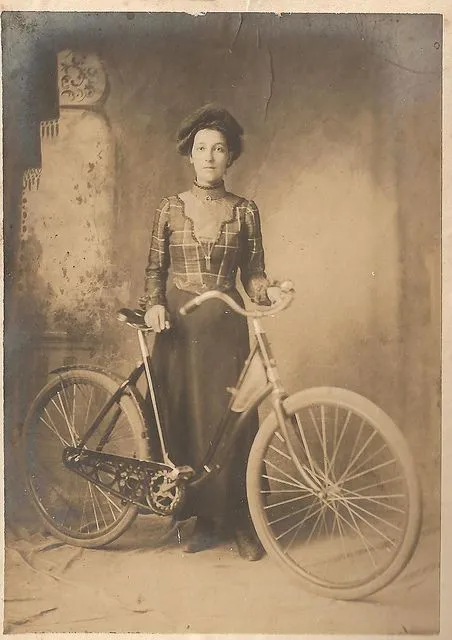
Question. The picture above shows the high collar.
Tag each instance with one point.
(209, 193)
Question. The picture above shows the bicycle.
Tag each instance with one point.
(331, 483)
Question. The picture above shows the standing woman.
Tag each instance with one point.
(204, 235)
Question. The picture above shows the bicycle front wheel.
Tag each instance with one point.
(72, 508)
(345, 517)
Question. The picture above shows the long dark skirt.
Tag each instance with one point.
(194, 362)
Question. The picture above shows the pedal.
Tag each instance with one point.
(182, 473)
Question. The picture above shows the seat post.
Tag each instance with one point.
(146, 357)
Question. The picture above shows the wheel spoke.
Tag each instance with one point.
(68, 510)
(111, 502)
(296, 530)
(340, 530)
(341, 437)
(89, 406)
(374, 498)
(355, 528)
(356, 440)
(93, 505)
(286, 475)
(358, 455)
(363, 473)
(323, 522)
(322, 439)
(64, 416)
(73, 409)
(299, 486)
(305, 442)
(84, 399)
(270, 491)
(278, 504)
(321, 514)
(290, 515)
(281, 453)
(326, 468)
(354, 495)
(335, 425)
(87, 392)
(71, 428)
(52, 484)
(298, 525)
(365, 542)
(373, 515)
(314, 421)
(379, 484)
(366, 461)
(96, 497)
(85, 500)
(369, 524)
(54, 429)
(120, 438)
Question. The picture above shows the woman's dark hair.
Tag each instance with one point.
(210, 117)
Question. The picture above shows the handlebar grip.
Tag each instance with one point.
(287, 286)
(190, 306)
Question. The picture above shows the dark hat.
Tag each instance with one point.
(210, 117)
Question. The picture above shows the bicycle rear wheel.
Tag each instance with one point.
(72, 508)
(353, 528)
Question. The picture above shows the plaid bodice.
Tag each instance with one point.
(202, 237)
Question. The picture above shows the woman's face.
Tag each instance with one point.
(209, 156)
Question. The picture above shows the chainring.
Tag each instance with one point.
(142, 482)
(165, 495)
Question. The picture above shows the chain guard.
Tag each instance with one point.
(144, 483)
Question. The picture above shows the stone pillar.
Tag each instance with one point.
(69, 286)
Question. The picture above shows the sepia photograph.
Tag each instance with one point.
(222, 322)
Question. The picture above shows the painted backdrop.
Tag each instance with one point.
(342, 116)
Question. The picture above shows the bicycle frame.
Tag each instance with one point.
(259, 379)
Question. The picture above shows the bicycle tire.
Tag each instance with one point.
(56, 491)
(328, 563)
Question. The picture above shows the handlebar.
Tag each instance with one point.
(286, 288)
(135, 317)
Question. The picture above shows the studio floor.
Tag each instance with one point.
(134, 586)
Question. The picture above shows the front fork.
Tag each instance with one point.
(282, 416)
(278, 397)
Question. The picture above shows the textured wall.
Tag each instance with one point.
(337, 112)
(69, 225)
(342, 121)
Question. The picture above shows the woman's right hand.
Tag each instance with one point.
(157, 318)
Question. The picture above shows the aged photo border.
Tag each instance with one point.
(366, 6)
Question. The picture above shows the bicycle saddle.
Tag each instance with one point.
(134, 317)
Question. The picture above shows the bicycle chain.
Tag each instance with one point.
(144, 483)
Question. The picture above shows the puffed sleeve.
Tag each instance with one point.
(252, 264)
(156, 272)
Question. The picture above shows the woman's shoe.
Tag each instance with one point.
(204, 536)
(248, 544)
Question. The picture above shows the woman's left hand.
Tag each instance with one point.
(274, 294)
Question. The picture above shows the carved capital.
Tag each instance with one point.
(82, 80)
(31, 179)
